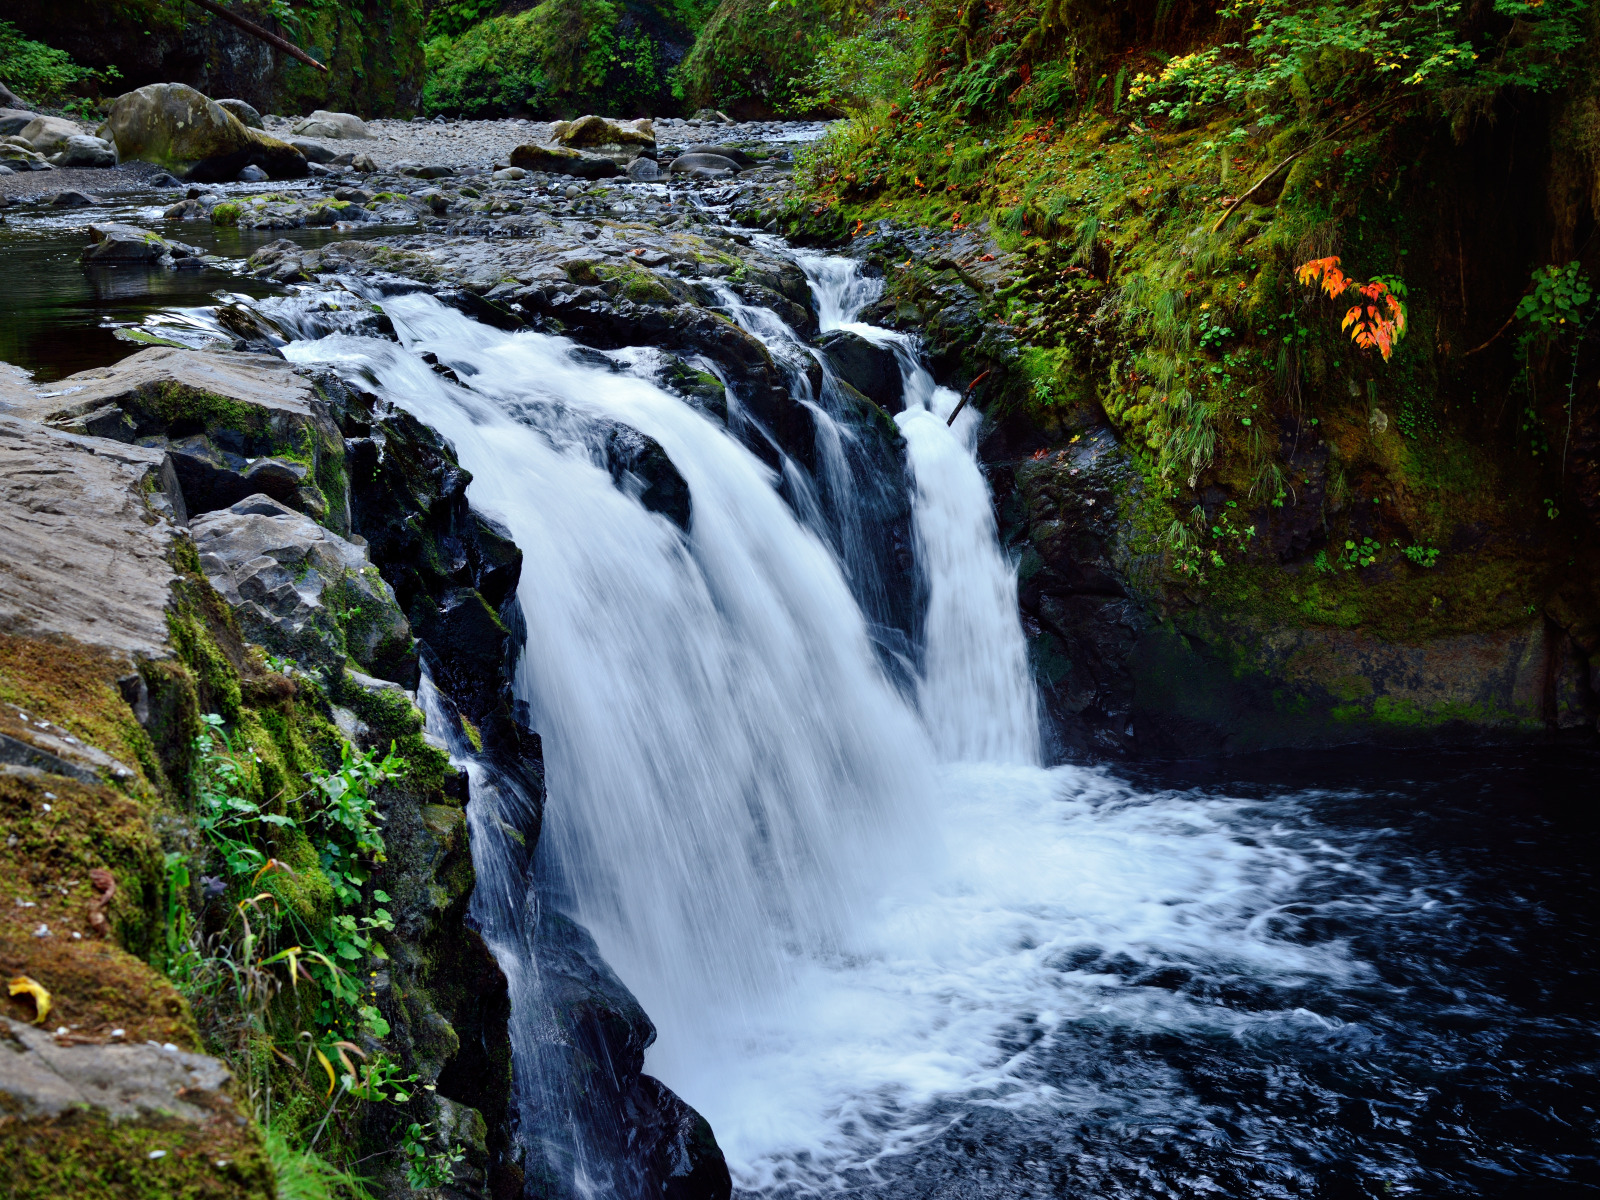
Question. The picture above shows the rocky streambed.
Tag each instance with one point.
(205, 529)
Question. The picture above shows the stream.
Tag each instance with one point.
(890, 952)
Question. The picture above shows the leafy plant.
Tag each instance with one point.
(424, 1168)
(1377, 320)
(42, 72)
(1361, 553)
(1423, 556)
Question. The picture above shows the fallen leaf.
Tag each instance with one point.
(41, 998)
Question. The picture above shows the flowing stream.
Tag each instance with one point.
(887, 952)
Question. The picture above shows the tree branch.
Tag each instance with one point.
(265, 35)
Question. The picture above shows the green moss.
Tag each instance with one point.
(226, 213)
(91, 1158)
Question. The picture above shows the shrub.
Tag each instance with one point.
(557, 59)
(40, 72)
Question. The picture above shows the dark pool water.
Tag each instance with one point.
(1463, 1061)
(58, 316)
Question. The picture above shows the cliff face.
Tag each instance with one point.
(372, 48)
(142, 712)
(1235, 526)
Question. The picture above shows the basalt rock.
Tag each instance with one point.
(557, 160)
(657, 1143)
(868, 367)
(286, 576)
(195, 138)
(246, 113)
(640, 466)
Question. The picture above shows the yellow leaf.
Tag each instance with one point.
(328, 1067)
(41, 998)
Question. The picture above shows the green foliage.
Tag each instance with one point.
(1423, 556)
(305, 1175)
(752, 57)
(1559, 295)
(43, 73)
(556, 59)
(453, 18)
(425, 1169)
(1351, 54)
(853, 74)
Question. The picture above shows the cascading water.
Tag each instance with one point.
(886, 952)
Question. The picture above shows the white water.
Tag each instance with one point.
(834, 902)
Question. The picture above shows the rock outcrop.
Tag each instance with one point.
(176, 127)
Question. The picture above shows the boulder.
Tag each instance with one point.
(299, 589)
(703, 162)
(739, 156)
(639, 465)
(250, 173)
(48, 135)
(81, 150)
(871, 369)
(314, 151)
(712, 116)
(20, 156)
(644, 170)
(510, 173)
(249, 405)
(246, 113)
(195, 138)
(617, 139)
(113, 244)
(87, 526)
(14, 120)
(557, 160)
(73, 199)
(333, 125)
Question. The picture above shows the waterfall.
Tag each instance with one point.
(845, 892)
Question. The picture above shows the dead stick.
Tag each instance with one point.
(967, 396)
(1493, 339)
(265, 35)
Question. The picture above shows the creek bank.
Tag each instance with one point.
(1132, 660)
(373, 566)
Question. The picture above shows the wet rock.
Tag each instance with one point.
(81, 150)
(639, 465)
(176, 127)
(598, 1062)
(644, 170)
(14, 120)
(74, 199)
(49, 135)
(251, 173)
(685, 163)
(557, 160)
(248, 405)
(213, 479)
(315, 152)
(712, 116)
(868, 367)
(116, 245)
(301, 590)
(246, 113)
(740, 158)
(433, 171)
(470, 647)
(331, 126)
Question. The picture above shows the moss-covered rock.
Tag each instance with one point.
(176, 127)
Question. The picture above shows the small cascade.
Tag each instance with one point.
(857, 910)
